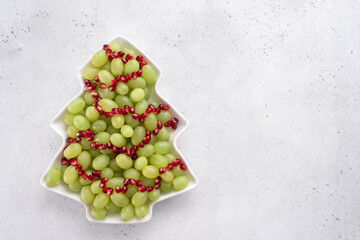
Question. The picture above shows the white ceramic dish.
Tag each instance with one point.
(59, 126)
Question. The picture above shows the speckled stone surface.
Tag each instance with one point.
(271, 89)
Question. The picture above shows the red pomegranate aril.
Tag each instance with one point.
(109, 145)
(142, 189)
(170, 166)
(139, 72)
(69, 140)
(115, 149)
(102, 85)
(148, 133)
(117, 189)
(139, 183)
(115, 111)
(124, 189)
(149, 189)
(141, 119)
(110, 58)
(105, 47)
(111, 88)
(102, 147)
(133, 149)
(123, 60)
(147, 139)
(78, 167)
(132, 181)
(148, 110)
(127, 152)
(162, 170)
(156, 131)
(178, 161)
(123, 79)
(96, 178)
(135, 116)
(129, 57)
(115, 54)
(134, 75)
(64, 161)
(141, 145)
(88, 89)
(152, 108)
(143, 115)
(139, 58)
(127, 77)
(77, 139)
(110, 191)
(91, 178)
(157, 180)
(126, 181)
(104, 180)
(126, 108)
(85, 176)
(183, 167)
(174, 162)
(132, 110)
(161, 106)
(96, 79)
(97, 100)
(94, 95)
(134, 156)
(159, 125)
(81, 172)
(166, 107)
(109, 115)
(173, 126)
(157, 186)
(93, 86)
(102, 185)
(90, 138)
(142, 63)
(167, 124)
(94, 145)
(175, 120)
(89, 132)
(121, 54)
(87, 82)
(123, 149)
(96, 173)
(113, 82)
(108, 52)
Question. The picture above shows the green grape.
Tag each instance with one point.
(90, 72)
(113, 165)
(127, 131)
(92, 114)
(104, 118)
(115, 181)
(138, 135)
(76, 186)
(62, 170)
(117, 140)
(107, 104)
(86, 195)
(180, 182)
(158, 160)
(81, 122)
(163, 116)
(170, 157)
(119, 199)
(94, 153)
(124, 161)
(106, 151)
(95, 187)
(112, 208)
(154, 139)
(150, 171)
(129, 145)
(73, 150)
(163, 134)
(118, 121)
(105, 93)
(141, 106)
(85, 144)
(98, 214)
(154, 195)
(88, 98)
(83, 181)
(117, 66)
(98, 126)
(71, 131)
(127, 212)
(52, 177)
(146, 151)
(137, 94)
(162, 147)
(148, 74)
(107, 172)
(132, 173)
(130, 52)
(167, 176)
(165, 186)
(111, 130)
(70, 175)
(123, 100)
(115, 47)
(100, 162)
(155, 103)
(105, 77)
(140, 163)
(102, 137)
(84, 159)
(130, 121)
(151, 122)
(99, 58)
(147, 181)
(139, 198)
(76, 105)
(101, 200)
(132, 189)
(141, 211)
(137, 83)
(147, 93)
(107, 66)
(178, 172)
(122, 88)
(68, 119)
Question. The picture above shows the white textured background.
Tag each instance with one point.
(271, 89)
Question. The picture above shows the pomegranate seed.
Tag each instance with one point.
(77, 139)
(64, 161)
(183, 167)
(129, 57)
(115, 149)
(141, 145)
(94, 145)
(126, 181)
(142, 63)
(138, 73)
(96, 79)
(123, 149)
(170, 166)
(167, 124)
(127, 77)
(148, 110)
(142, 189)
(135, 116)
(97, 100)
(133, 149)
(121, 54)
(134, 156)
(102, 147)
(117, 189)
(109, 115)
(132, 181)
(108, 52)
(156, 131)
(90, 138)
(143, 115)
(87, 82)
(152, 107)
(175, 120)
(157, 186)
(139, 58)
(132, 110)
(149, 189)
(101, 185)
(111, 88)
(109, 191)
(85, 176)
(162, 170)
(81, 172)
(148, 133)
(113, 82)
(174, 162)
(124, 189)
(178, 161)
(157, 111)
(96, 173)
(97, 178)
(105, 47)
(94, 95)
(78, 167)
(69, 140)
(147, 139)
(115, 54)
(141, 119)
(88, 89)
(166, 107)
(123, 60)
(102, 85)
(161, 106)
(91, 178)
(126, 108)
(89, 132)
(110, 58)
(157, 180)
(128, 153)
(159, 125)
(134, 75)
(139, 183)
(109, 145)
(115, 111)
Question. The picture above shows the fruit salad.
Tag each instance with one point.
(117, 155)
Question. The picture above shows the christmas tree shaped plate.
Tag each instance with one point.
(118, 155)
